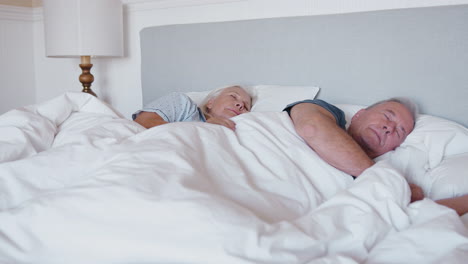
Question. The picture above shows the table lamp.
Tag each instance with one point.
(83, 28)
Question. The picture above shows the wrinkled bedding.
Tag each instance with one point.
(81, 184)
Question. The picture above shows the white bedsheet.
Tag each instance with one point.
(80, 184)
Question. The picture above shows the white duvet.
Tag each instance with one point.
(80, 184)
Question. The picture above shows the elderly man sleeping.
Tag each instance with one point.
(373, 131)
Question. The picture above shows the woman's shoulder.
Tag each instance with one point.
(187, 109)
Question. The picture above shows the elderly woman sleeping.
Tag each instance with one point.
(216, 108)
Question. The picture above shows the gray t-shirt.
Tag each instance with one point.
(335, 111)
(174, 107)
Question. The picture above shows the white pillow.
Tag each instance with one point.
(450, 178)
(269, 97)
(442, 137)
(277, 97)
(197, 97)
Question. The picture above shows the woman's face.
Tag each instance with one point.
(232, 101)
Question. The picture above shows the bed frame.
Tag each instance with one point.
(356, 58)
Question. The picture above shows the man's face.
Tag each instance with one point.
(381, 128)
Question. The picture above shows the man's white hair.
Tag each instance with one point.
(405, 101)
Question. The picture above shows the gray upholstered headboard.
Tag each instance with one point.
(355, 58)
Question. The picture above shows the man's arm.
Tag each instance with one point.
(149, 119)
(318, 128)
(459, 204)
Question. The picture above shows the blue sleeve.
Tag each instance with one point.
(174, 107)
(335, 111)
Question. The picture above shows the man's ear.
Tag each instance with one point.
(358, 114)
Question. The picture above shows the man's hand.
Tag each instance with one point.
(222, 121)
(416, 192)
(459, 204)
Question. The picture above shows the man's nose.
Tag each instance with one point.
(389, 127)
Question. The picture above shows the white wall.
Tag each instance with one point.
(117, 81)
(16, 58)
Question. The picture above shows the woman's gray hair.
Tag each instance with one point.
(405, 101)
(216, 92)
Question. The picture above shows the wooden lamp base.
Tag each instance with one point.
(86, 78)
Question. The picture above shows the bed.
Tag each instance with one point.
(80, 183)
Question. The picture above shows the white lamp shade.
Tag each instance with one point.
(83, 28)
